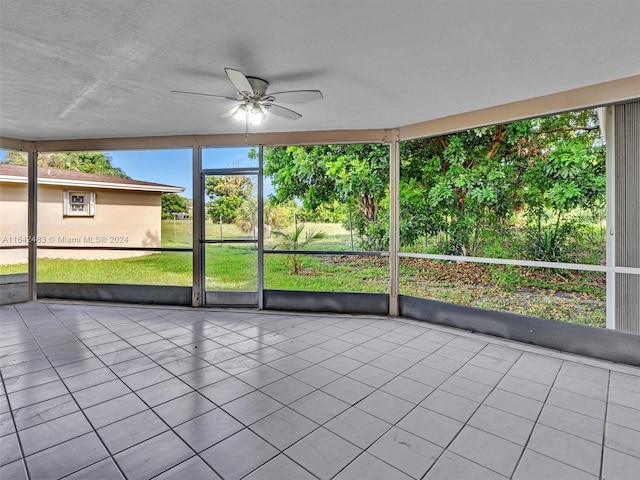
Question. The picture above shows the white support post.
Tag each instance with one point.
(197, 220)
(32, 224)
(609, 133)
(394, 224)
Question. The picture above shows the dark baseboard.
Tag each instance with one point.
(334, 302)
(595, 342)
(14, 288)
(145, 294)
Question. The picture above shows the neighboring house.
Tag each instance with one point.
(81, 210)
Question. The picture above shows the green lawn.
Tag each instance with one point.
(577, 297)
(328, 274)
(167, 268)
(231, 267)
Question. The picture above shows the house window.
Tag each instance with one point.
(79, 204)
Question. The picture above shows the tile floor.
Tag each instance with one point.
(115, 391)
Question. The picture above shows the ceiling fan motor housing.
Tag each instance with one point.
(259, 86)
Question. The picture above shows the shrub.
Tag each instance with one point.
(550, 243)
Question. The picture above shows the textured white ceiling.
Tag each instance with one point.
(104, 68)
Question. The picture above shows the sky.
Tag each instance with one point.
(173, 167)
(170, 167)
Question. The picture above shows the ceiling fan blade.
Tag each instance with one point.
(239, 81)
(281, 111)
(230, 113)
(297, 96)
(221, 97)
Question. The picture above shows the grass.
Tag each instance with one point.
(328, 274)
(571, 296)
(577, 297)
(231, 267)
(178, 233)
(166, 268)
(15, 268)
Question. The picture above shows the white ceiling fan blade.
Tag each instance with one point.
(281, 111)
(239, 81)
(221, 97)
(297, 96)
(232, 112)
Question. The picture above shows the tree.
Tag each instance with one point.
(87, 162)
(226, 194)
(296, 241)
(465, 190)
(279, 215)
(247, 215)
(350, 174)
(172, 203)
(476, 181)
(570, 173)
(469, 182)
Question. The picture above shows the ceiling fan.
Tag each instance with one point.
(255, 102)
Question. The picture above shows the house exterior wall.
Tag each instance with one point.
(13, 222)
(122, 219)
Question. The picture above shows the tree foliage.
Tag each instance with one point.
(172, 204)
(247, 215)
(522, 182)
(354, 175)
(466, 180)
(226, 195)
(279, 215)
(476, 181)
(87, 162)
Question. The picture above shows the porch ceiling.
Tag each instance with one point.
(96, 69)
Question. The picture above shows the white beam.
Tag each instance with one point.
(609, 129)
(32, 224)
(606, 93)
(394, 224)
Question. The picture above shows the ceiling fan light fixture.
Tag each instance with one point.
(241, 113)
(257, 117)
(254, 113)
